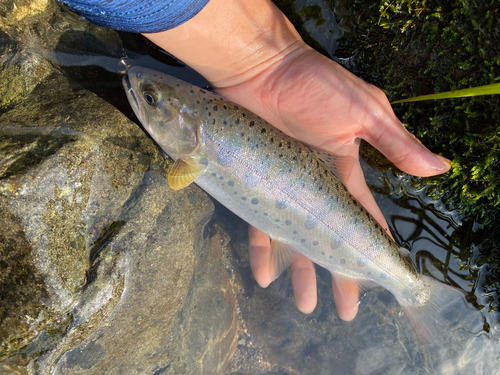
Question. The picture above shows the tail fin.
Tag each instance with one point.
(454, 330)
(445, 311)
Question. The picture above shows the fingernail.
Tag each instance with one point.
(446, 163)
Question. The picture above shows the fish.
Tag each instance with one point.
(283, 188)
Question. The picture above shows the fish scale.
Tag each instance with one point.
(279, 186)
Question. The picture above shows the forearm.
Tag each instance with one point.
(233, 41)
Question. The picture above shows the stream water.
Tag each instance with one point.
(276, 338)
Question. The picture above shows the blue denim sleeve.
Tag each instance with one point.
(138, 16)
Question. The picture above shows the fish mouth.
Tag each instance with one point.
(132, 96)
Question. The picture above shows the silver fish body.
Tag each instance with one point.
(274, 183)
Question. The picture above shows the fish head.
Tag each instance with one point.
(160, 103)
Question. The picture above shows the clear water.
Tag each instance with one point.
(380, 340)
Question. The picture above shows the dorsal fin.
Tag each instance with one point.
(341, 166)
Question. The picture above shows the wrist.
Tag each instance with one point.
(233, 41)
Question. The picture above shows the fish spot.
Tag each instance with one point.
(221, 178)
(209, 113)
(311, 222)
(236, 107)
(191, 91)
(224, 107)
(237, 122)
(252, 123)
(230, 183)
(335, 243)
(203, 91)
(294, 232)
(255, 201)
(322, 253)
(215, 108)
(244, 115)
(178, 85)
(331, 256)
(242, 135)
(288, 222)
(355, 202)
(384, 276)
(342, 261)
(214, 174)
(235, 193)
(315, 243)
(280, 205)
(265, 214)
(277, 220)
(213, 122)
(243, 198)
(197, 102)
(362, 262)
(251, 179)
(263, 130)
(302, 240)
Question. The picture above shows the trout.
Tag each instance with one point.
(281, 187)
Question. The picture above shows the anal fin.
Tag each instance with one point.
(282, 255)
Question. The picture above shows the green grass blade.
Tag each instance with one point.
(492, 89)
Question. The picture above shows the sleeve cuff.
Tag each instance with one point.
(137, 16)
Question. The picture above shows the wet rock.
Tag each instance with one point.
(320, 23)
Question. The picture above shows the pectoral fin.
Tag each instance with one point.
(183, 173)
(282, 255)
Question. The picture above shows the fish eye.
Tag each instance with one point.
(151, 96)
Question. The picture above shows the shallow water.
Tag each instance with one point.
(380, 340)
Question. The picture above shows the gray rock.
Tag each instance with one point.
(108, 270)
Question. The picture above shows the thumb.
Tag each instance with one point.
(404, 150)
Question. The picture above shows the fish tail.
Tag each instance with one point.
(444, 311)
(455, 331)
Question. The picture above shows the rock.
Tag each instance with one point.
(101, 264)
